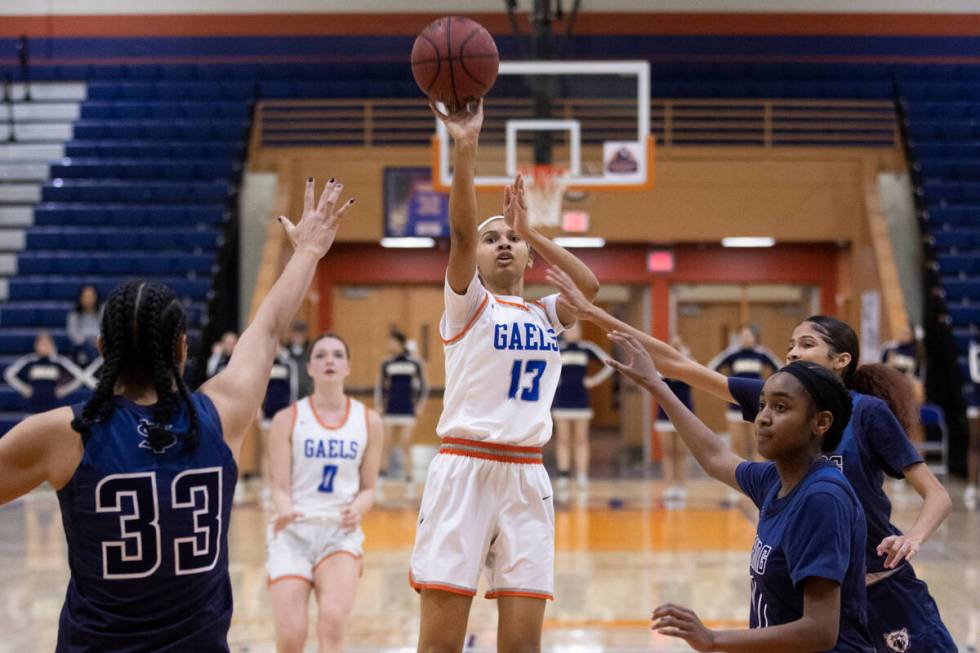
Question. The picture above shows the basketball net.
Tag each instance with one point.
(544, 189)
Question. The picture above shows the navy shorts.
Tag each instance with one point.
(903, 617)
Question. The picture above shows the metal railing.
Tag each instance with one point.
(762, 123)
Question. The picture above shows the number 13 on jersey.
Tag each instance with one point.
(525, 379)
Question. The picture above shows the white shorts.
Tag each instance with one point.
(398, 420)
(300, 547)
(486, 507)
(572, 413)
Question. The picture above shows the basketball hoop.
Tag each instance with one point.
(545, 187)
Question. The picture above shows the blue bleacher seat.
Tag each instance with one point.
(954, 216)
(65, 288)
(73, 190)
(203, 130)
(957, 240)
(155, 263)
(51, 314)
(223, 151)
(964, 315)
(959, 265)
(951, 192)
(148, 169)
(51, 238)
(128, 215)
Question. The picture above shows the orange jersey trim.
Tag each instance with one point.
(331, 427)
(358, 558)
(491, 445)
(523, 307)
(418, 587)
(459, 336)
(273, 581)
(530, 595)
(449, 451)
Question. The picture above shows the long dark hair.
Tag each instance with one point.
(78, 300)
(886, 383)
(142, 327)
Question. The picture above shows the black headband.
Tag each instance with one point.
(827, 391)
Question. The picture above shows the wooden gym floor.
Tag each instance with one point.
(620, 553)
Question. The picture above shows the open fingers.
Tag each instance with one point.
(328, 200)
(342, 211)
(308, 195)
(288, 227)
(331, 184)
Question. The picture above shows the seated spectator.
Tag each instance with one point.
(221, 353)
(84, 322)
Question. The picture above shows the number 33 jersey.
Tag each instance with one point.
(147, 531)
(326, 467)
(502, 366)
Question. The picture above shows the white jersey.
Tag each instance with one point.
(326, 467)
(502, 366)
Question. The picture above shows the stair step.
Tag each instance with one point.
(12, 240)
(17, 171)
(8, 264)
(51, 91)
(40, 132)
(20, 193)
(16, 216)
(31, 152)
(41, 112)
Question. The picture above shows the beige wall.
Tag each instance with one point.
(700, 194)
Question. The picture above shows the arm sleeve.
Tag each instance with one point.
(12, 375)
(886, 438)
(550, 304)
(756, 479)
(818, 543)
(746, 393)
(460, 309)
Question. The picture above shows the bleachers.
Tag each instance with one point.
(143, 187)
(942, 114)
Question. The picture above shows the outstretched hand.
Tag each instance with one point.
(638, 365)
(897, 548)
(463, 124)
(317, 229)
(515, 207)
(571, 297)
(675, 621)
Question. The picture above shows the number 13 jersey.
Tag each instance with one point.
(502, 366)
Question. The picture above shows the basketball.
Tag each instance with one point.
(454, 61)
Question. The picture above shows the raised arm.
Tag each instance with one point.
(711, 453)
(672, 363)
(516, 217)
(237, 391)
(816, 630)
(464, 127)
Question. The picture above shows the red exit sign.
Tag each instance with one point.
(660, 260)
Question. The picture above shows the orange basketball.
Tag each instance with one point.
(455, 61)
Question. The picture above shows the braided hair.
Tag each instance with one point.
(142, 327)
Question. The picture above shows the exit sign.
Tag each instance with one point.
(660, 260)
(575, 222)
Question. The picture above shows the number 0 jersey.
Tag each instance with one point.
(147, 532)
(326, 463)
(502, 366)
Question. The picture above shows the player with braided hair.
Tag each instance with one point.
(146, 470)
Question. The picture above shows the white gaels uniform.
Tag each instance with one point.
(326, 477)
(488, 503)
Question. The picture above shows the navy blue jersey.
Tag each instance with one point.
(41, 379)
(746, 362)
(817, 530)
(873, 444)
(575, 359)
(283, 388)
(682, 391)
(401, 385)
(147, 533)
(903, 356)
